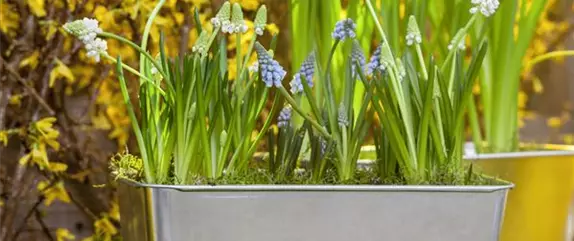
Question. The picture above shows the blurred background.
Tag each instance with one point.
(45, 73)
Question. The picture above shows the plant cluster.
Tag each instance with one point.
(195, 122)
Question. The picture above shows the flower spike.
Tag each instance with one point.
(344, 29)
(307, 70)
(271, 72)
(261, 20)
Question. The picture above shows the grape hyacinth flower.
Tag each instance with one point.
(357, 57)
(458, 38)
(323, 145)
(95, 48)
(284, 117)
(222, 17)
(343, 120)
(344, 29)
(237, 24)
(307, 70)
(401, 69)
(413, 32)
(201, 43)
(260, 20)
(375, 64)
(86, 30)
(486, 7)
(271, 72)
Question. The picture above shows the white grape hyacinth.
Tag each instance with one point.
(87, 30)
(486, 7)
(461, 45)
(95, 48)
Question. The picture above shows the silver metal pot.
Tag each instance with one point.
(310, 212)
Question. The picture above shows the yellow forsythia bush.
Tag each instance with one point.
(62, 116)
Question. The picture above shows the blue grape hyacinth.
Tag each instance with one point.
(271, 72)
(284, 117)
(375, 64)
(344, 29)
(307, 70)
(357, 57)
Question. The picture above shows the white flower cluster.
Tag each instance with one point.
(95, 48)
(486, 7)
(87, 30)
(231, 28)
(413, 38)
(461, 45)
(261, 20)
(230, 21)
(259, 30)
(413, 32)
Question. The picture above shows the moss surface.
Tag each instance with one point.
(129, 167)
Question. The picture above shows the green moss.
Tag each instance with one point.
(130, 167)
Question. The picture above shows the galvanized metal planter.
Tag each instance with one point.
(537, 209)
(310, 213)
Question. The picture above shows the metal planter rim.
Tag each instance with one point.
(329, 188)
(550, 150)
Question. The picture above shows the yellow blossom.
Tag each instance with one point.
(48, 134)
(4, 137)
(568, 139)
(37, 7)
(522, 99)
(247, 4)
(31, 60)
(554, 122)
(197, 3)
(63, 234)
(49, 28)
(115, 211)
(61, 70)
(80, 176)
(537, 85)
(16, 100)
(57, 167)
(103, 226)
(72, 4)
(105, 17)
(9, 19)
(54, 192)
(83, 73)
(38, 156)
(272, 28)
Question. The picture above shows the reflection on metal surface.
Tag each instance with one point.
(311, 213)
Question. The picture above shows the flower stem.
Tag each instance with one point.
(549, 55)
(145, 35)
(457, 41)
(422, 61)
(133, 71)
(138, 48)
(292, 102)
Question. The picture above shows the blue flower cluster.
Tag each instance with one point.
(307, 70)
(375, 62)
(344, 29)
(284, 117)
(342, 119)
(357, 57)
(271, 72)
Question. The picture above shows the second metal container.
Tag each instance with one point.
(538, 206)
